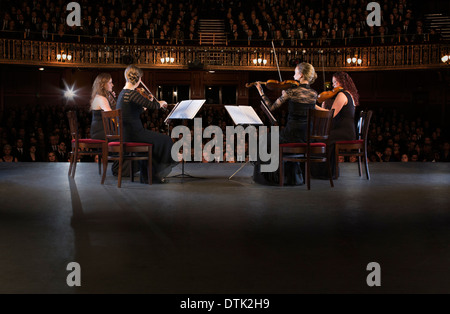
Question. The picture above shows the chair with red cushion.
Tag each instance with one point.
(357, 147)
(112, 123)
(314, 150)
(83, 146)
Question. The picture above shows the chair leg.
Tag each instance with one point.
(366, 163)
(281, 171)
(75, 161)
(308, 173)
(359, 166)
(119, 178)
(336, 156)
(330, 174)
(131, 171)
(105, 162)
(99, 165)
(70, 164)
(149, 166)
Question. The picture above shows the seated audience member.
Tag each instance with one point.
(7, 157)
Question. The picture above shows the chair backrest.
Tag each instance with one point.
(364, 124)
(73, 124)
(112, 122)
(319, 124)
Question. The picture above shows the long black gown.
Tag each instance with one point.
(301, 99)
(98, 133)
(132, 103)
(342, 129)
(97, 130)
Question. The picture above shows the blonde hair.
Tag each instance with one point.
(308, 71)
(133, 74)
(98, 87)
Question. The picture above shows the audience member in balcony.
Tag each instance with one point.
(177, 35)
(44, 34)
(191, 40)
(434, 36)
(419, 37)
(121, 39)
(278, 40)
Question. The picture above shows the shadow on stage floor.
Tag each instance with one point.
(215, 235)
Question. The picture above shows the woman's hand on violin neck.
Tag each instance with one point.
(163, 104)
(259, 88)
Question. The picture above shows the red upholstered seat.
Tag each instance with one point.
(351, 142)
(302, 145)
(89, 141)
(129, 144)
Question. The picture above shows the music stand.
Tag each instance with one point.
(243, 115)
(184, 110)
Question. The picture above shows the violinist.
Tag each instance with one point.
(101, 100)
(343, 126)
(300, 97)
(132, 102)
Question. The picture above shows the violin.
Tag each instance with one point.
(141, 91)
(276, 85)
(329, 94)
(148, 94)
(112, 100)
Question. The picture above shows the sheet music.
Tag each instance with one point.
(187, 109)
(243, 115)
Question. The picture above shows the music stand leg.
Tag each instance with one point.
(183, 175)
(238, 170)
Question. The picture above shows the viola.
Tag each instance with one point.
(275, 85)
(329, 94)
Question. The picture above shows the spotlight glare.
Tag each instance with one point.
(69, 93)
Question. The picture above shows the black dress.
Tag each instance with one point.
(301, 99)
(342, 129)
(97, 130)
(132, 103)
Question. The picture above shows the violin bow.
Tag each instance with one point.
(276, 59)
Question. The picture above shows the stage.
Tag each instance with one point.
(215, 235)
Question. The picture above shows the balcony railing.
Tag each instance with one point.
(17, 51)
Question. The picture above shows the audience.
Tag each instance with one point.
(289, 22)
(41, 133)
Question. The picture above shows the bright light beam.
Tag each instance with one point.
(70, 93)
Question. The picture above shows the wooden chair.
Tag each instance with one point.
(357, 147)
(112, 123)
(314, 150)
(83, 146)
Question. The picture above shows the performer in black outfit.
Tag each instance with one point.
(132, 104)
(301, 99)
(343, 126)
(100, 101)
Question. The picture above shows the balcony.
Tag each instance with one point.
(373, 58)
